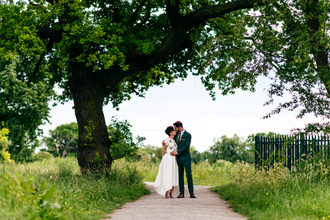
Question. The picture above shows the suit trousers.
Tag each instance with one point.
(185, 165)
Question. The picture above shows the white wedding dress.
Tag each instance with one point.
(168, 175)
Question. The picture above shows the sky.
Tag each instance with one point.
(188, 101)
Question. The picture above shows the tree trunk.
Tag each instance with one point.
(93, 141)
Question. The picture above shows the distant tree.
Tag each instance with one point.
(195, 155)
(206, 156)
(149, 152)
(231, 149)
(63, 139)
(23, 107)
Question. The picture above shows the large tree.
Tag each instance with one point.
(102, 51)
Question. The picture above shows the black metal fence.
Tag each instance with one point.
(289, 149)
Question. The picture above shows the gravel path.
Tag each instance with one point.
(207, 206)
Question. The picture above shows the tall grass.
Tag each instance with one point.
(278, 193)
(203, 173)
(55, 189)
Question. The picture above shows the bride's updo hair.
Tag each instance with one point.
(168, 130)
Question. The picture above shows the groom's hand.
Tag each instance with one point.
(173, 153)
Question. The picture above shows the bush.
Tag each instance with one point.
(4, 143)
(43, 155)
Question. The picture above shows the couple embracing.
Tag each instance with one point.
(175, 159)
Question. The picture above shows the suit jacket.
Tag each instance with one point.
(183, 146)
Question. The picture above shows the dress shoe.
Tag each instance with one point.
(181, 196)
(192, 196)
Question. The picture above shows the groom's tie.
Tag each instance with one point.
(179, 138)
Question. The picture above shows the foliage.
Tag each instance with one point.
(291, 39)
(23, 106)
(63, 140)
(55, 189)
(122, 143)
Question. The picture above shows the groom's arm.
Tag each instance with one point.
(186, 145)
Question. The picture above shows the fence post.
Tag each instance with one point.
(257, 151)
(288, 149)
(302, 149)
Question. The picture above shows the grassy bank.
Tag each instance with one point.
(55, 189)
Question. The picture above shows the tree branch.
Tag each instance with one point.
(175, 38)
(41, 58)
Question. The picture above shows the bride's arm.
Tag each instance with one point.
(164, 150)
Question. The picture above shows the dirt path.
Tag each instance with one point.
(207, 206)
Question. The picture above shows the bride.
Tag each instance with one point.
(168, 176)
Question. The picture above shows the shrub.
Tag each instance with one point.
(4, 143)
(42, 155)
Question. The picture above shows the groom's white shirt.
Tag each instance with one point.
(182, 133)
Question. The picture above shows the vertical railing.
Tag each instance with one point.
(291, 148)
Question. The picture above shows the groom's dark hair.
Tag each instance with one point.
(178, 124)
(168, 130)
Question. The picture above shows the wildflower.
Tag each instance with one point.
(266, 193)
(90, 193)
(103, 199)
(73, 210)
(265, 202)
(315, 207)
(74, 195)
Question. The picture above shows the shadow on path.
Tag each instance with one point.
(206, 206)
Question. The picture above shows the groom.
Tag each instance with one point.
(183, 139)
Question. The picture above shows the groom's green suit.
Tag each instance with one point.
(184, 161)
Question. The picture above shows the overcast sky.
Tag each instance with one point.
(188, 101)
